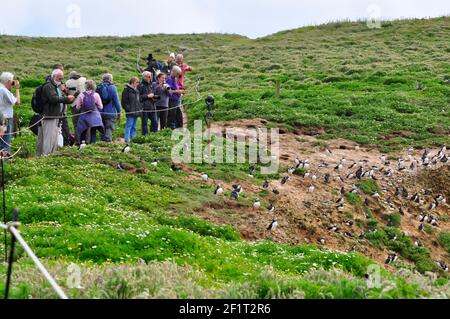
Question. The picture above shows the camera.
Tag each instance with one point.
(13, 83)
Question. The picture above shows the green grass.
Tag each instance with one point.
(368, 186)
(355, 83)
(444, 239)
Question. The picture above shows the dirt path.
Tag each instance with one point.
(306, 217)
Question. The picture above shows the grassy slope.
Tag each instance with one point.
(355, 82)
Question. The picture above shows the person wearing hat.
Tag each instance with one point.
(75, 86)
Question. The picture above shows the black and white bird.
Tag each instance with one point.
(291, 170)
(392, 258)
(126, 149)
(257, 204)
(311, 189)
(327, 178)
(266, 185)
(273, 225)
(82, 145)
(154, 162)
(238, 188)
(219, 190)
(204, 177)
(174, 168)
(271, 208)
(276, 191)
(120, 167)
(234, 195)
(285, 180)
(252, 171)
(333, 228)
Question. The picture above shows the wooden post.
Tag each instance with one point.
(277, 88)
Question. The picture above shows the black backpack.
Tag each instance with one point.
(38, 100)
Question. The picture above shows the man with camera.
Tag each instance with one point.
(54, 106)
(7, 102)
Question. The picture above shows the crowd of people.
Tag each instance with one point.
(96, 109)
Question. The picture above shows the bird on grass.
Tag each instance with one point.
(234, 195)
(174, 168)
(126, 149)
(219, 190)
(271, 208)
(120, 167)
(154, 162)
(238, 188)
(276, 191)
(266, 185)
(204, 177)
(257, 204)
(82, 145)
(311, 189)
(252, 171)
(392, 258)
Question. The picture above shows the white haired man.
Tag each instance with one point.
(53, 111)
(7, 102)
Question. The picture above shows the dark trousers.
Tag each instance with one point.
(66, 130)
(153, 117)
(175, 115)
(89, 135)
(110, 125)
(162, 116)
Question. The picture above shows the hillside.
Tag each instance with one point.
(151, 232)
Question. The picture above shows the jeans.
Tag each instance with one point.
(153, 122)
(5, 141)
(110, 125)
(175, 115)
(130, 128)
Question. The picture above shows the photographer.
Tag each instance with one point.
(162, 94)
(7, 102)
(75, 86)
(53, 112)
(148, 103)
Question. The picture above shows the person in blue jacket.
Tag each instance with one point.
(111, 106)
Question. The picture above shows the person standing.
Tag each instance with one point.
(132, 106)
(162, 95)
(175, 99)
(184, 69)
(148, 103)
(53, 111)
(7, 102)
(111, 106)
(88, 104)
(63, 122)
(75, 86)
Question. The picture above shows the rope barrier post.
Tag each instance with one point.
(11, 256)
(4, 205)
(209, 118)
